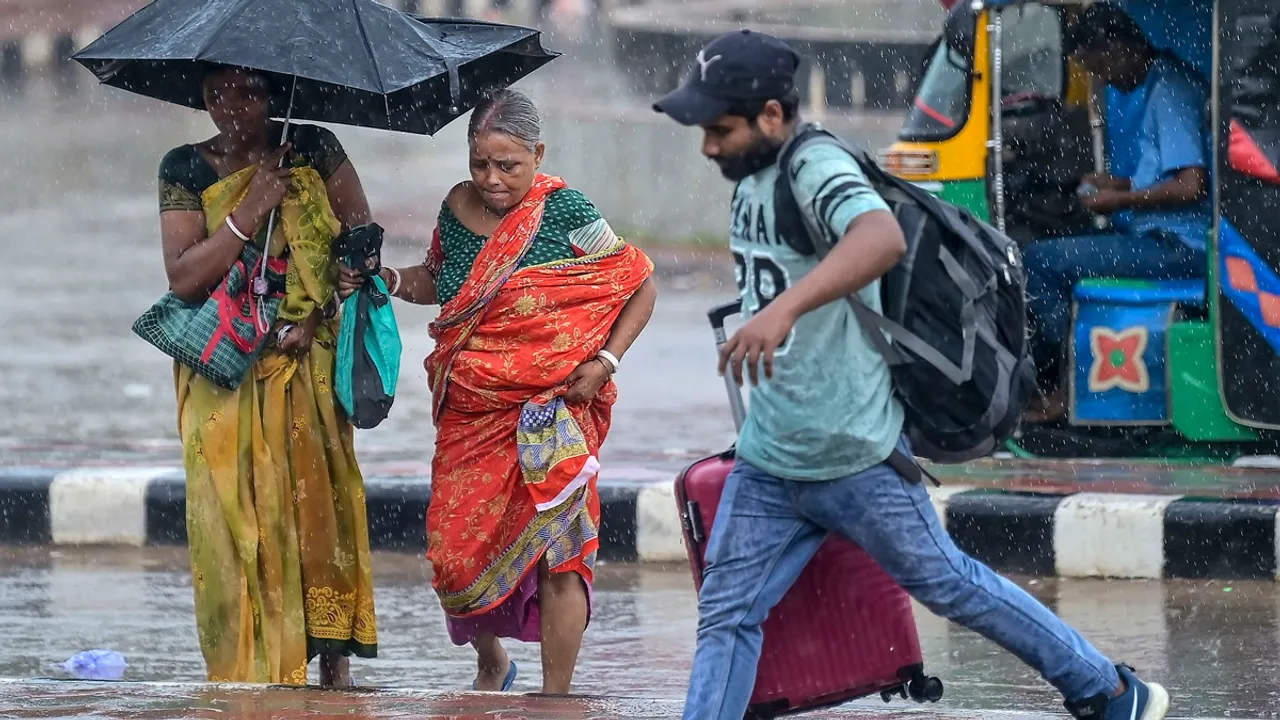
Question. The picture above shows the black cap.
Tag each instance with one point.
(735, 67)
(1102, 25)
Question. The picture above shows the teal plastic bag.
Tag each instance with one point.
(368, 363)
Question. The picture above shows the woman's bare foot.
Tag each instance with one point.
(492, 664)
(335, 671)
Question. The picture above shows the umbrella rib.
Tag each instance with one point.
(368, 46)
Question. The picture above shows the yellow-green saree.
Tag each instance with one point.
(276, 518)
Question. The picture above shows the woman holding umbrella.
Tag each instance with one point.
(539, 302)
(275, 502)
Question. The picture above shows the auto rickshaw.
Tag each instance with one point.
(1005, 123)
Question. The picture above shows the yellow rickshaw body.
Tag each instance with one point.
(956, 167)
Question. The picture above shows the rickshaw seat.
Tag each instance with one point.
(1124, 291)
(1119, 348)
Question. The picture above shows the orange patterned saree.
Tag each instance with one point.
(514, 472)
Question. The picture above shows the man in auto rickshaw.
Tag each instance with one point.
(1158, 203)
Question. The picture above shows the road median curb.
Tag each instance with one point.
(1082, 534)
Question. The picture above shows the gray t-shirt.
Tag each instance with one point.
(829, 411)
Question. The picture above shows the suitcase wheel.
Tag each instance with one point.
(887, 695)
(925, 689)
(920, 688)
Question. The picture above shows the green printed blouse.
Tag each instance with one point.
(185, 174)
(571, 227)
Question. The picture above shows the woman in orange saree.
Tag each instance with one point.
(539, 301)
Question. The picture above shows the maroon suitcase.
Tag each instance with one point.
(845, 630)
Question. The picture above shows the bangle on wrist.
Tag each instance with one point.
(393, 287)
(609, 359)
(236, 230)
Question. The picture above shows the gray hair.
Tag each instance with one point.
(507, 111)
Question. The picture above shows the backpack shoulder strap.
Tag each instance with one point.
(788, 221)
(787, 216)
(792, 229)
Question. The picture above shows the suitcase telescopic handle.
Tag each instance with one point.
(717, 316)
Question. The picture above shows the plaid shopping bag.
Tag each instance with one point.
(218, 337)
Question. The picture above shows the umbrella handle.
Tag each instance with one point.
(261, 320)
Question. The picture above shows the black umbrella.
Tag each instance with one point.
(353, 62)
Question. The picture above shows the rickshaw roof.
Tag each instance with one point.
(1184, 27)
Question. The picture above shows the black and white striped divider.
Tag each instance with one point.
(1076, 535)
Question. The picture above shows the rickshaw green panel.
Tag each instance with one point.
(1198, 412)
(1103, 283)
(968, 194)
(1187, 293)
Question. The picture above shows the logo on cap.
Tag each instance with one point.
(705, 63)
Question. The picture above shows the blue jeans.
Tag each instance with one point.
(766, 531)
(1055, 266)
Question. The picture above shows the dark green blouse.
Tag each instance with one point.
(571, 227)
(185, 174)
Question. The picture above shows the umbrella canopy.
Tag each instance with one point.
(354, 62)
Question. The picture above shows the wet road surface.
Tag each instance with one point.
(1214, 644)
(187, 701)
(170, 701)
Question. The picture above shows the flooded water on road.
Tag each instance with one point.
(1209, 642)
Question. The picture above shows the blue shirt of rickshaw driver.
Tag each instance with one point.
(1158, 198)
(1164, 180)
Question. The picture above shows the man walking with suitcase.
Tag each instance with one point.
(823, 416)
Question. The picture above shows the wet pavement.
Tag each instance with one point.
(80, 394)
(185, 701)
(54, 700)
(1214, 645)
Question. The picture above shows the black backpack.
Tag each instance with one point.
(954, 309)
